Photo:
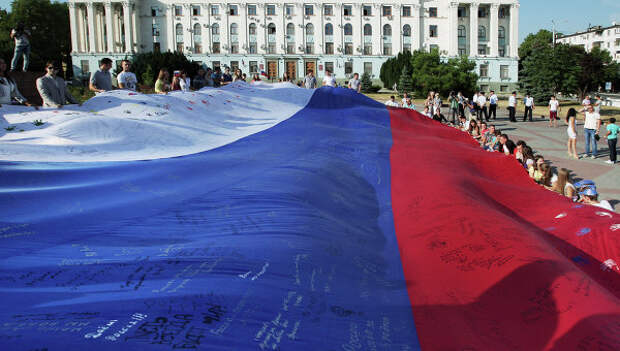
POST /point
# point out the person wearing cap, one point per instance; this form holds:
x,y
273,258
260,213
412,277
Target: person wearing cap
x,y
53,89
590,196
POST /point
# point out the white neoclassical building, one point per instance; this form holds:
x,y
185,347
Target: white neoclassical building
x,y
292,36
607,38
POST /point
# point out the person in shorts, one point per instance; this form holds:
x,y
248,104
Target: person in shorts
x,y
554,108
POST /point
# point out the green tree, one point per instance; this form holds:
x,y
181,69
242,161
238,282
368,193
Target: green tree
x,y
391,70
147,65
405,83
534,42
366,83
49,24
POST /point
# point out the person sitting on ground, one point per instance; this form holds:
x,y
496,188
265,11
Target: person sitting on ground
x,y
484,132
439,117
518,153
126,79
101,80
488,138
535,170
226,77
408,104
590,197
474,130
9,94
463,125
392,102
355,84
507,146
162,85
53,89
563,185
199,81
528,157
547,175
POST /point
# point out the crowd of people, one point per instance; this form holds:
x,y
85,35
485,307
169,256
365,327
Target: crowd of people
x,y
491,139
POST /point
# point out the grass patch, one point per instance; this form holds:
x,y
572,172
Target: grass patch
x,y
38,122
9,128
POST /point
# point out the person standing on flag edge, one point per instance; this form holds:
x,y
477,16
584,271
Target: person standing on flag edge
x,y
329,80
310,80
126,79
355,84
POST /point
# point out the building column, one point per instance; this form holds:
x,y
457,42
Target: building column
x,y
494,30
134,28
453,20
99,29
82,38
170,34
514,30
473,29
417,32
244,42
108,26
74,27
206,31
397,29
127,27
91,27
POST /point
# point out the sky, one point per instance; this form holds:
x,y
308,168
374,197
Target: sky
x,y
570,16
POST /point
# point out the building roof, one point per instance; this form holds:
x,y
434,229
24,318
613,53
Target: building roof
x,y
592,29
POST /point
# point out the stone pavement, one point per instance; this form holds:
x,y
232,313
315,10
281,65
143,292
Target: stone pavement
x,y
551,143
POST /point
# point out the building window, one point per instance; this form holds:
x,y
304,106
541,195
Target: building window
x,y
484,71
215,10
310,48
433,31
234,29
329,29
482,12
484,87
271,48
156,47
387,10
387,49
308,10
504,12
251,10
368,68
348,48
233,10
329,48
253,66
462,35
432,12
347,10
328,10
290,31
407,47
178,10
387,30
195,10
406,30
482,33
482,49
84,66
367,30
434,47
406,11
154,11
503,88
348,29
216,48
253,48
348,67
197,38
271,10
290,48
289,10
367,10
215,29
155,29
234,65
501,36
503,71
216,64
179,37
367,49
234,48
309,29
329,66
271,28
252,29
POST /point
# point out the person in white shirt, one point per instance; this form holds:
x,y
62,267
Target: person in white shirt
x,y
404,99
329,80
355,84
482,107
126,79
474,103
597,104
185,82
591,126
493,105
554,108
392,102
590,197
529,107
586,102
512,107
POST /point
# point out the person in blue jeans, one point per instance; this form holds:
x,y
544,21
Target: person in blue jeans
x,y
612,140
590,127
22,46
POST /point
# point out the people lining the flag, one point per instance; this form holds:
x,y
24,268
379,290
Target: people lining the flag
x,y
101,79
53,89
162,85
9,93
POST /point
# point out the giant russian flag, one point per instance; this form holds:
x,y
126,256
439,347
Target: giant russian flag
x,y
267,217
